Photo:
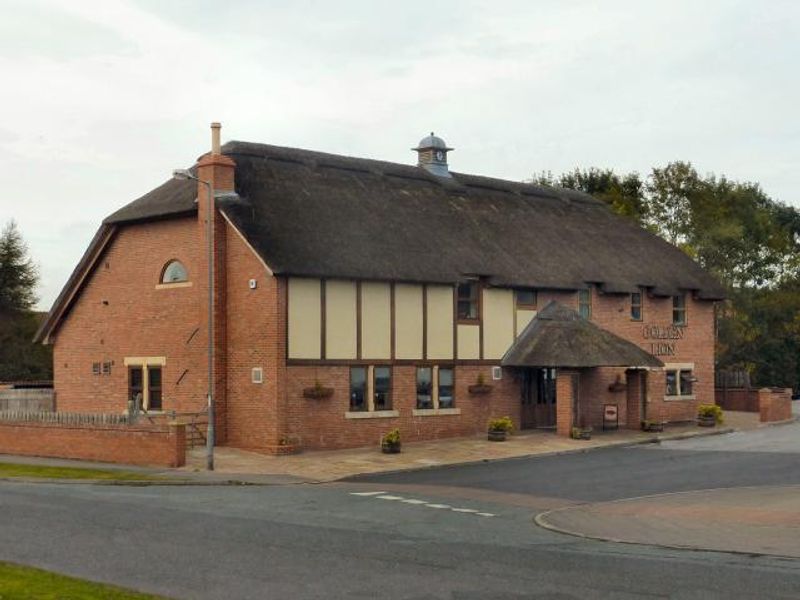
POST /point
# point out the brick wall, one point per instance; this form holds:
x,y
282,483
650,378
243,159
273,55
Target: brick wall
x,y
321,423
775,404
139,445
120,313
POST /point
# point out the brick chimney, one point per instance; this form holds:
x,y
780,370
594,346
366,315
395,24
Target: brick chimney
x,y
219,171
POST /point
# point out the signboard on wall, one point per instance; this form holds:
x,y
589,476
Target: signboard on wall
x,y
610,417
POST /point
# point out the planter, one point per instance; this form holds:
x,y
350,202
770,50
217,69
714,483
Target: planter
x,y
388,448
497,436
707,421
317,393
652,427
581,433
479,389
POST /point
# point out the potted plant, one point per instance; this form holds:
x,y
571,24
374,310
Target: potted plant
x,y
318,391
499,429
708,415
652,426
480,387
390,442
581,433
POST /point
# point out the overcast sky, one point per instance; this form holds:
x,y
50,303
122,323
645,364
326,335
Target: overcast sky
x,y
102,99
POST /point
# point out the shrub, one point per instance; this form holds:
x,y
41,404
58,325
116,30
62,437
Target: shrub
x,y
710,410
501,424
391,438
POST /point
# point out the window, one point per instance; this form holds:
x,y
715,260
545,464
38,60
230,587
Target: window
x,y
445,387
358,389
526,299
153,388
174,272
257,375
679,381
424,387
383,388
136,385
96,368
145,382
636,306
679,310
435,388
468,301
107,368
585,303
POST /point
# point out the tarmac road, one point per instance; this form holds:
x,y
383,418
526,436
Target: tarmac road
x,y
461,533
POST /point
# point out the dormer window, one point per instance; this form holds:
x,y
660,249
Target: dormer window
x,y
174,272
468,307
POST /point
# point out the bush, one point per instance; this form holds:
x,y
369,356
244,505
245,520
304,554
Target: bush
x,y
710,410
391,438
501,424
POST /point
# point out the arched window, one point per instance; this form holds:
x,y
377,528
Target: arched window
x,y
174,272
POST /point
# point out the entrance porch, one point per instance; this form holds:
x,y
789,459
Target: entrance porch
x,y
573,373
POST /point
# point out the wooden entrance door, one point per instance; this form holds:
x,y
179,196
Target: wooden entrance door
x,y
545,408
538,398
529,394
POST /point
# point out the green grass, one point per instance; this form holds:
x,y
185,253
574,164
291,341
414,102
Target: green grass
x,y
46,472
27,583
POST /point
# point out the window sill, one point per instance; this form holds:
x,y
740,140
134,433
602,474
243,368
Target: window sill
x,y
679,398
432,412
468,321
168,286
374,414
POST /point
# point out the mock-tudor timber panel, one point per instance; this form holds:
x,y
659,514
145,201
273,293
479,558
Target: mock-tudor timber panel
x,y
408,321
524,316
340,319
439,300
469,342
376,321
498,322
305,318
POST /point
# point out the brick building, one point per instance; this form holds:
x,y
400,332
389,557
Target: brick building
x,y
353,296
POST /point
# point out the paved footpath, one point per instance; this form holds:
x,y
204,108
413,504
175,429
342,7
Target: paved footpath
x,y
754,520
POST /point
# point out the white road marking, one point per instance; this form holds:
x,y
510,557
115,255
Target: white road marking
x,y
384,496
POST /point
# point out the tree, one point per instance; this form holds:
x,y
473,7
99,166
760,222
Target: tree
x,y
625,194
18,273
20,358
736,231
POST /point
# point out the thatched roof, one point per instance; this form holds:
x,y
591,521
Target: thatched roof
x,y
559,337
315,214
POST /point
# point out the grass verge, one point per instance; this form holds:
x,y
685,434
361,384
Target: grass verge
x,y
18,583
47,472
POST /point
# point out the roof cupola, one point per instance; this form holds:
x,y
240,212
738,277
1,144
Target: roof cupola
x,y
432,152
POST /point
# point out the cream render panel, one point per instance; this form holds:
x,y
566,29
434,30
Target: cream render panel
x,y
469,342
340,319
408,321
305,318
498,322
440,321
524,316
376,320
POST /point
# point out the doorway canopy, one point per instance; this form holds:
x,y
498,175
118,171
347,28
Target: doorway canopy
x,y
559,337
